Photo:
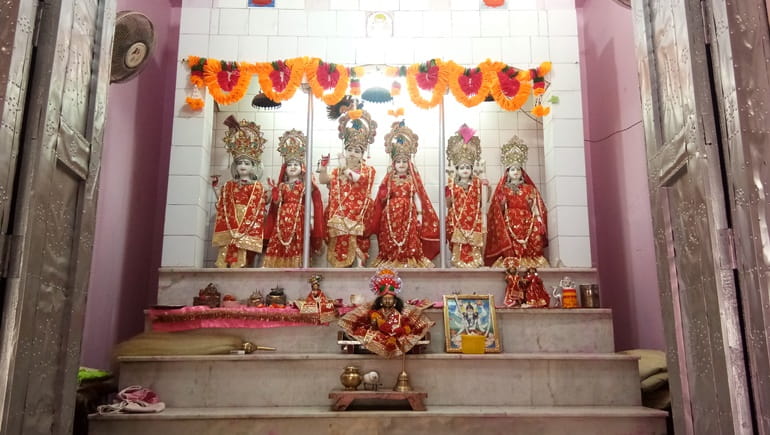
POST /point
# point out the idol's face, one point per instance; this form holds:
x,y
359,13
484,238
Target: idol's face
x,y
354,152
464,171
293,168
244,167
401,165
514,173
388,301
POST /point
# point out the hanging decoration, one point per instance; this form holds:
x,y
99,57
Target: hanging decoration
x,y
427,83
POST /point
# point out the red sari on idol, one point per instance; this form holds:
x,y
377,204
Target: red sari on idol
x,y
386,332
402,241
517,226
238,229
286,225
464,224
349,208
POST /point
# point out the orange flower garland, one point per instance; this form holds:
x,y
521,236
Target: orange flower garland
x,y
194,103
318,90
438,90
210,78
297,66
502,100
454,71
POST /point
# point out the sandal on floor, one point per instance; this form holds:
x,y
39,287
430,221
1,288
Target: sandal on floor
x,y
134,399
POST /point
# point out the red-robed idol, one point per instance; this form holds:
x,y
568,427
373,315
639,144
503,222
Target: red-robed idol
x,y
238,228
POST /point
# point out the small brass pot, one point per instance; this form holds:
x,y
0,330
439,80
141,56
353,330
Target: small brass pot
x,y
350,378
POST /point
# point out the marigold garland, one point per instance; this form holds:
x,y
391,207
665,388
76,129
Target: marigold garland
x,y
211,80
433,76
297,66
311,72
438,89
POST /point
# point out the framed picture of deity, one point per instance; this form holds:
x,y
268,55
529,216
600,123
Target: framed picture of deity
x,y
470,324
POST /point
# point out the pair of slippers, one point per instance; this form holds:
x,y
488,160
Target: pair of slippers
x,y
134,399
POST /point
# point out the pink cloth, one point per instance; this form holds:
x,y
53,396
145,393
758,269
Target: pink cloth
x,y
197,317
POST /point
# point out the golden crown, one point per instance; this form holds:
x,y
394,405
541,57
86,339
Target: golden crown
x,y
292,146
244,139
400,141
463,148
514,153
357,128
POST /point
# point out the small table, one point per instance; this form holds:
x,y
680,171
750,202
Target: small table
x,y
343,398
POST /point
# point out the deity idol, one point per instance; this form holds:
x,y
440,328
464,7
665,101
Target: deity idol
x,y
517,215
466,196
238,229
350,206
404,219
316,302
387,326
286,221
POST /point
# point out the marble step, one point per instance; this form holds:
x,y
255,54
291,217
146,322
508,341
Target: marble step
x,y
278,379
449,420
178,286
521,330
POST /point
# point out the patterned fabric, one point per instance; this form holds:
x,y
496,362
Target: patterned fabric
x,y
238,228
388,333
465,226
517,225
349,209
402,241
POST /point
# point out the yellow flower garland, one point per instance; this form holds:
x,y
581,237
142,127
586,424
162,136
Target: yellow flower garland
x,y
438,90
297,66
318,90
210,72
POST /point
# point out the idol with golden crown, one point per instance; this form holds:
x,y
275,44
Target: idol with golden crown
x,y
466,194
240,209
285,226
349,207
388,326
517,217
404,219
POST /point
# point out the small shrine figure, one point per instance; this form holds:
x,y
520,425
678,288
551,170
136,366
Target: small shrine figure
x,y
535,295
208,296
514,293
285,226
466,196
316,302
350,184
517,215
240,210
404,220
387,326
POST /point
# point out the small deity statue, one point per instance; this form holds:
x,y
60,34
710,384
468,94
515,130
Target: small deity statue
x,y
517,215
350,184
535,295
276,298
404,220
466,196
238,229
285,226
387,326
316,302
514,294
256,299
209,296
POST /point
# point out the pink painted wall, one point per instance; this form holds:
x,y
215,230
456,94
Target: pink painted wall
x,y
619,207
132,197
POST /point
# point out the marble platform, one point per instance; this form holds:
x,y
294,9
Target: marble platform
x,y
581,330
449,420
179,285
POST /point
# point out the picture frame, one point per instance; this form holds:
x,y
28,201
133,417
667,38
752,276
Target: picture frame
x,y
470,315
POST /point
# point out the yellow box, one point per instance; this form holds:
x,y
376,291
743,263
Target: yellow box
x,y
473,343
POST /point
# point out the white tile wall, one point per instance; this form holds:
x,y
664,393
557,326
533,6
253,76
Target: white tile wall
x,y
524,34
184,220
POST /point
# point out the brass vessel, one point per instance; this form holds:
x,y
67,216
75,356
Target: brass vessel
x,y
402,384
350,378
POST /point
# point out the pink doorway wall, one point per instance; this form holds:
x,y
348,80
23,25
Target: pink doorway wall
x,y
616,166
132,196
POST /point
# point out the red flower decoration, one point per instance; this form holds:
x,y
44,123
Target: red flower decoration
x,y
228,79
327,75
509,84
280,75
470,81
427,80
